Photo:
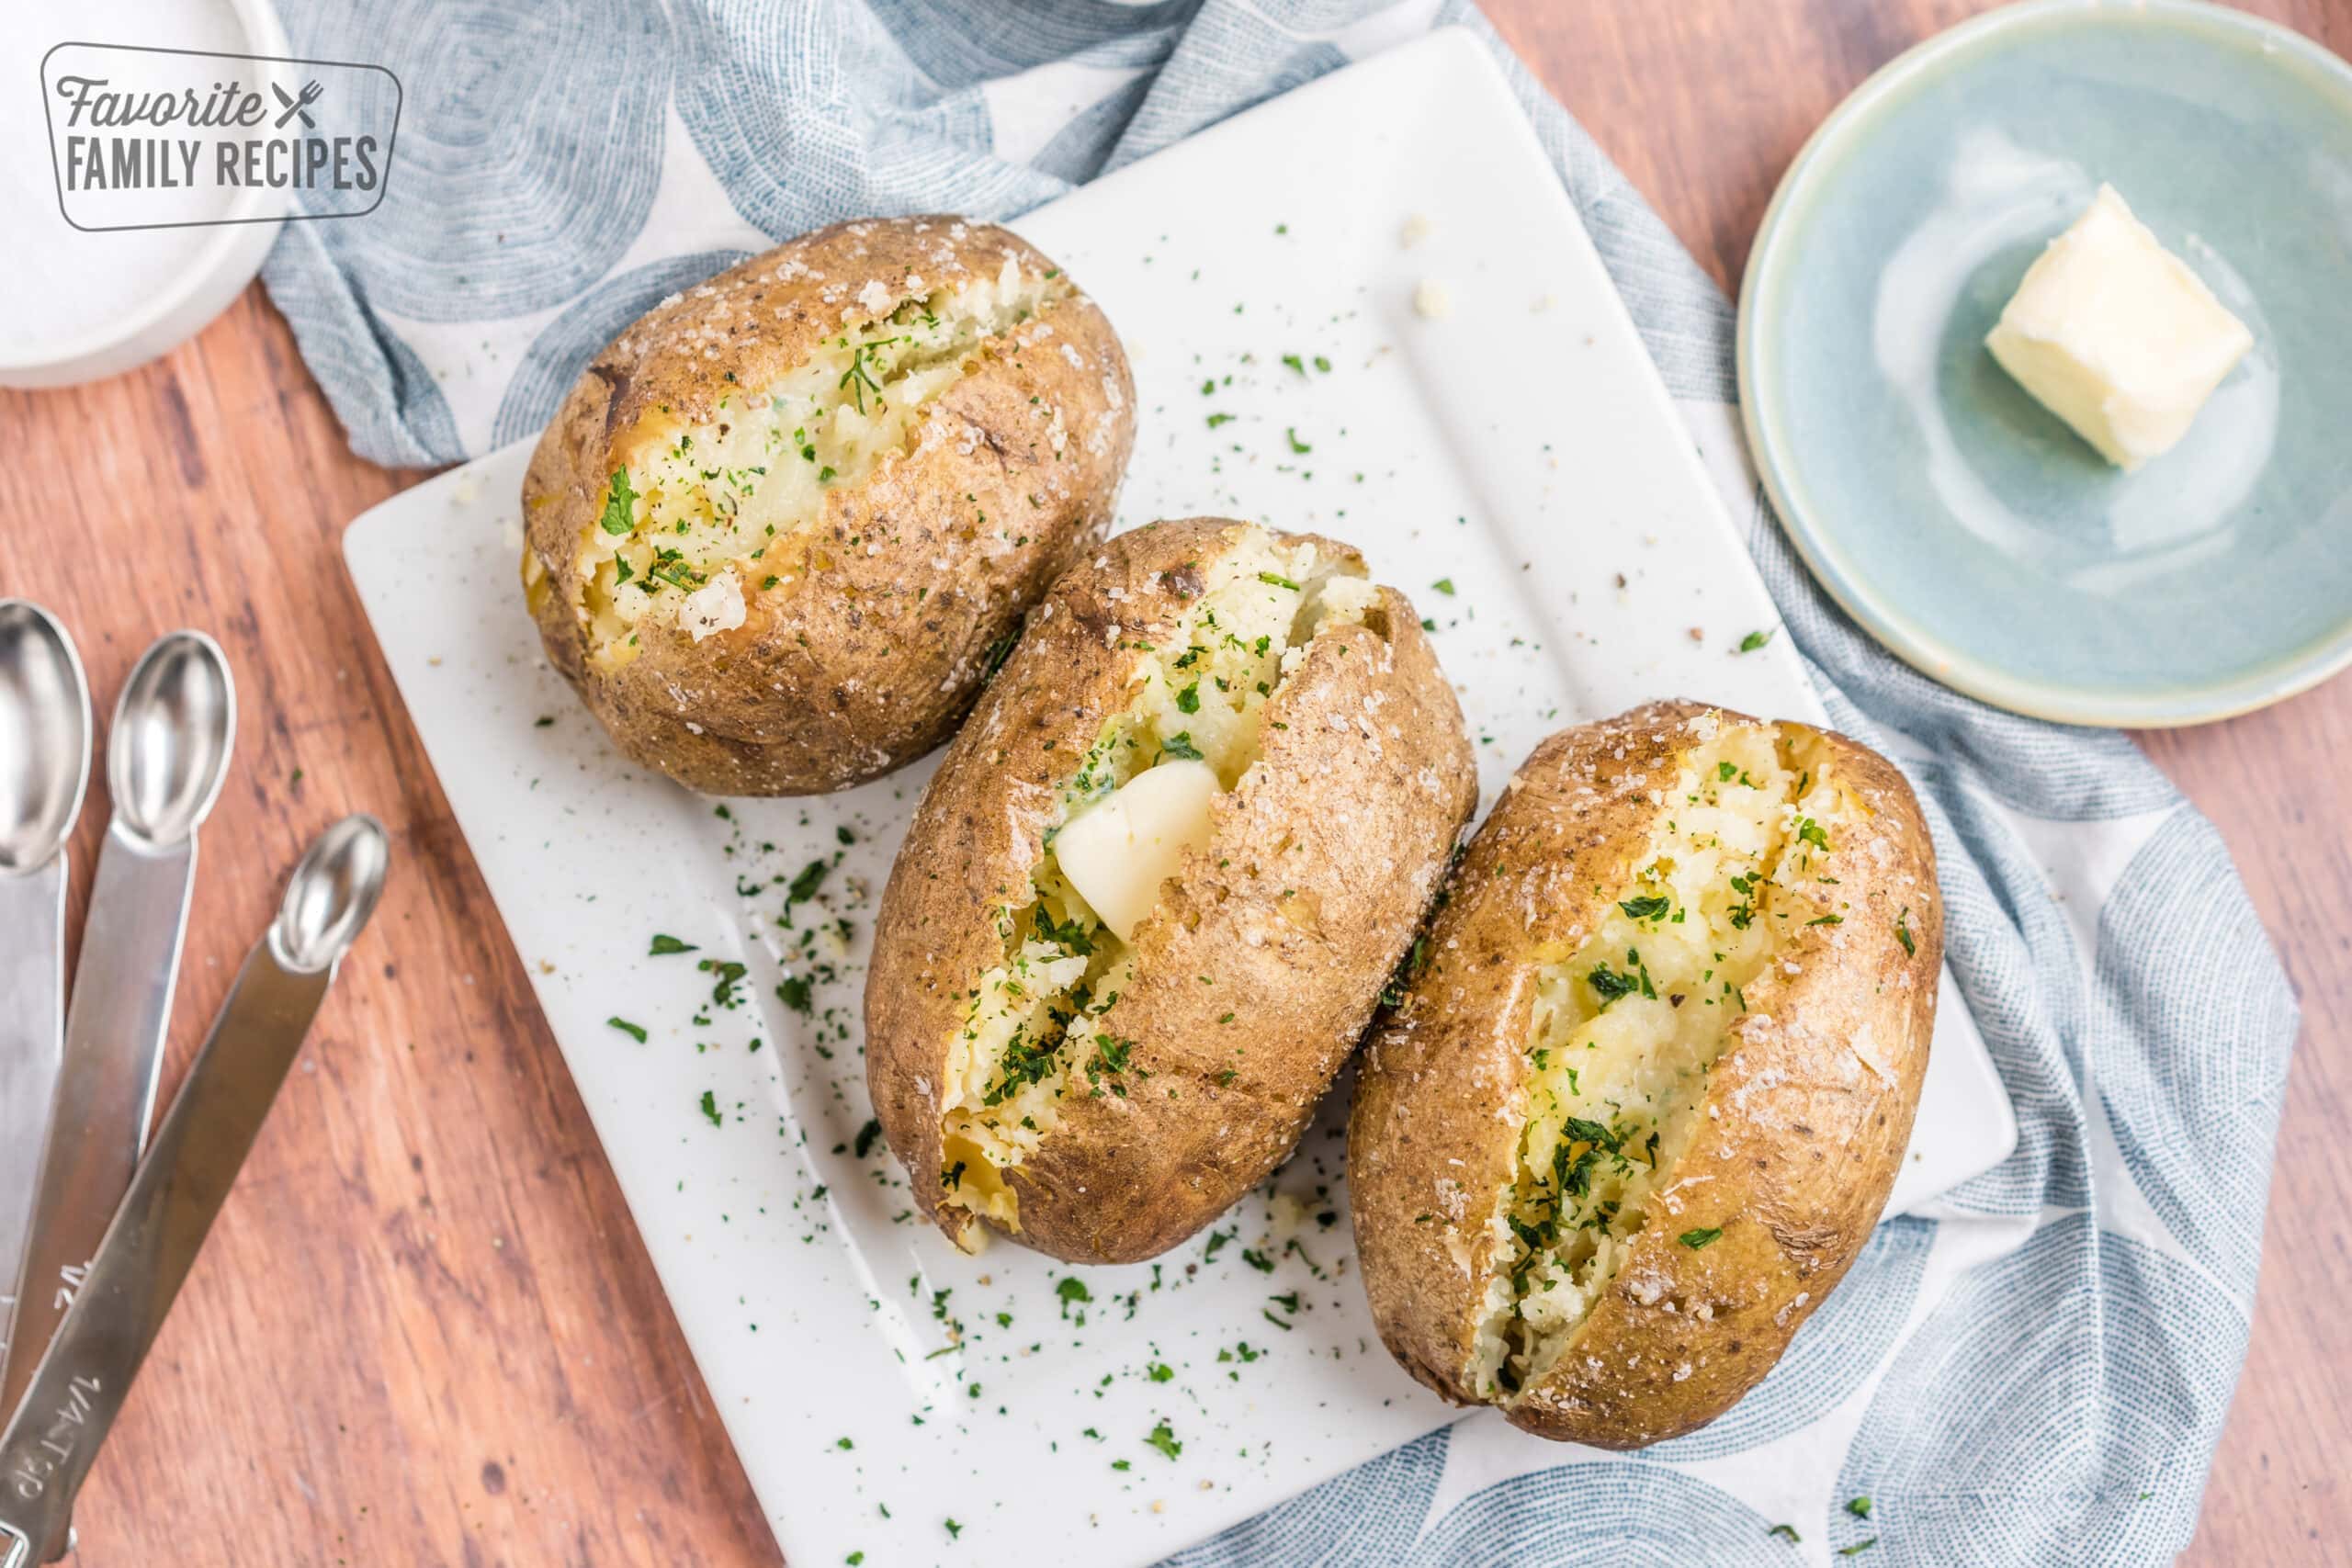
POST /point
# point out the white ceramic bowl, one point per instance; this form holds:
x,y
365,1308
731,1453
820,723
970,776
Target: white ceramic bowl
x,y
219,259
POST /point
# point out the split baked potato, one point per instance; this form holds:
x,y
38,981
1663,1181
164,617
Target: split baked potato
x,y
1642,1102
782,526
1149,901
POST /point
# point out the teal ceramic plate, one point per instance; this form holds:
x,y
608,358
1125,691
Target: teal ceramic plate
x,y
1947,512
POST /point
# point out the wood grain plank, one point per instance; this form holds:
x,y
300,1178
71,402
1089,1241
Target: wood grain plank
x,y
425,1330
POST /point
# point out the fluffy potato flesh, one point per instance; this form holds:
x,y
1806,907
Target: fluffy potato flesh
x,y
1627,1027
1199,699
693,517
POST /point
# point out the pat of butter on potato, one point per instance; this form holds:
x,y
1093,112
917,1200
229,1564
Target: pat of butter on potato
x,y
2114,334
1117,852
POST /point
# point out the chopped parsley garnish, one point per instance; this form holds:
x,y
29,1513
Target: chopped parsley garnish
x,y
668,944
1163,1438
1695,1239
1445,585
1296,444
1609,985
1809,831
1858,1548
1278,581
1027,1059
634,1031
618,517
710,1108
804,885
1903,932
1858,1506
1754,641
858,379
729,973
1572,1175
1585,1131
1789,1531
1189,699
865,1136
1651,907
1109,1058
1181,745
1072,936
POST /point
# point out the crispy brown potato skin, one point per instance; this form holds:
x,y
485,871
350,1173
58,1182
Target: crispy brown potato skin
x,y
1320,864
849,668
1802,1138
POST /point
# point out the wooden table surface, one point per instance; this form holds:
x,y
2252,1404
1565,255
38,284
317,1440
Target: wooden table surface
x,y
425,1330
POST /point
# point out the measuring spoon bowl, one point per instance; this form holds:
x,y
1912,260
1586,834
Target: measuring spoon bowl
x,y
331,895
173,731
45,732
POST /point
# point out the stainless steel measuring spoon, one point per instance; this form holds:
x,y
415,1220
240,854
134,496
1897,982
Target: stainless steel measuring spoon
x,y
48,1445
44,769
165,758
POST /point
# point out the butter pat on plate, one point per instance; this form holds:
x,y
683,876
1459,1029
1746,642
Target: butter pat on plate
x,y
2114,334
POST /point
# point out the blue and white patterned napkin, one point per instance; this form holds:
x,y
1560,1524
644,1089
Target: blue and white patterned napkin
x,y
2036,1374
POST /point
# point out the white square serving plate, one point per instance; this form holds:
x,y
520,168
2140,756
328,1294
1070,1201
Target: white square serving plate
x,y
1505,453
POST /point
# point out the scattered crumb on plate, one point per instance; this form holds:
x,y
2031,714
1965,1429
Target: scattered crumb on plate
x,y
1431,302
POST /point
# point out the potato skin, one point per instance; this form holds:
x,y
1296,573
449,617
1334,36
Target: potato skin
x,y
1802,1135
1297,912
849,668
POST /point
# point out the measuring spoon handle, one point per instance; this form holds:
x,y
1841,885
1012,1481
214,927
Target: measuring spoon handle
x,y
106,1079
32,1028
52,1439
79,1386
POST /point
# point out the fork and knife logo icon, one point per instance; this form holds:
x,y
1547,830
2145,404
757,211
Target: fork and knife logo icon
x,y
311,91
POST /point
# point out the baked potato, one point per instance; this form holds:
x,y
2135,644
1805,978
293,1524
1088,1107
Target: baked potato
x,y
782,525
1640,1106
1149,901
